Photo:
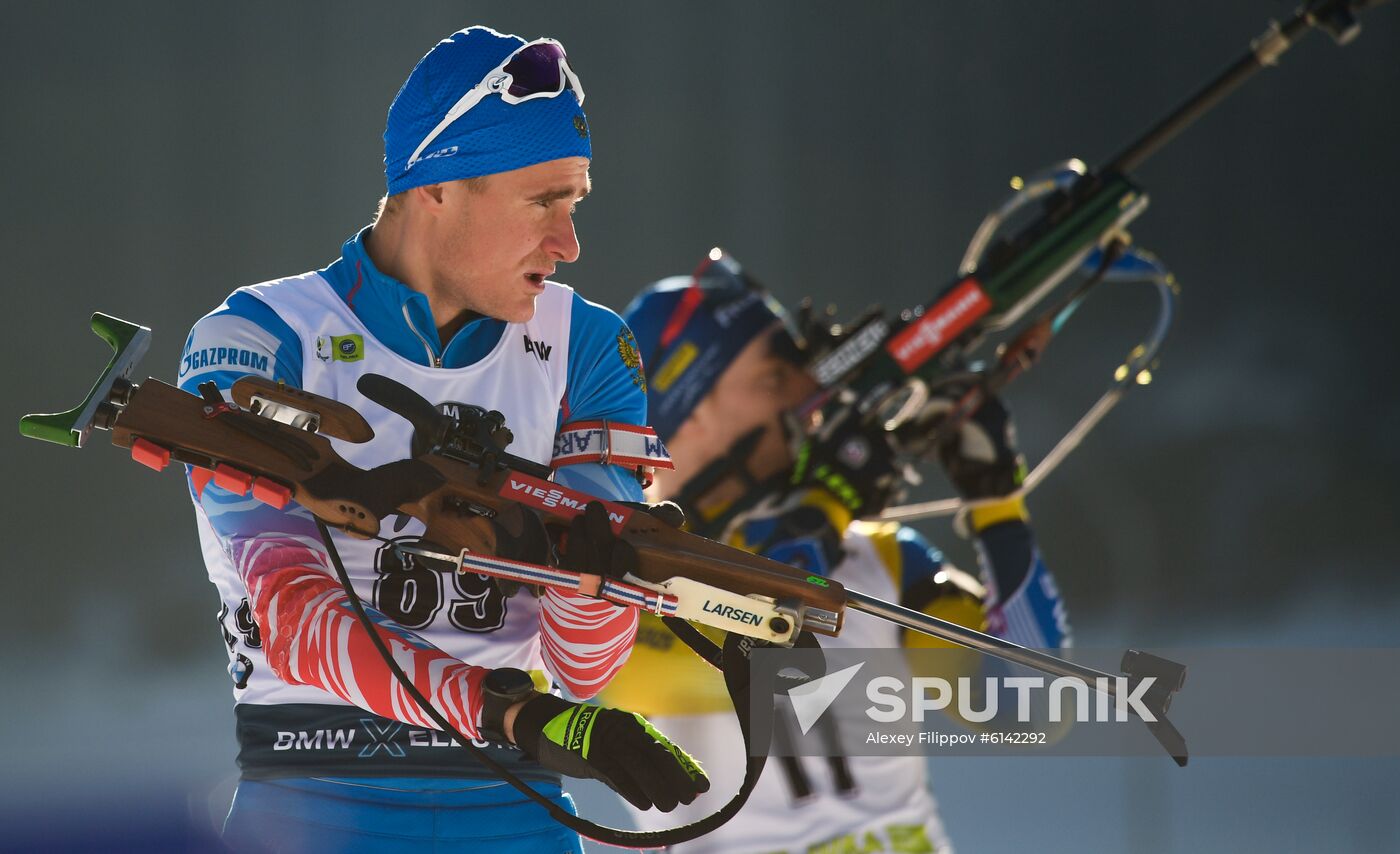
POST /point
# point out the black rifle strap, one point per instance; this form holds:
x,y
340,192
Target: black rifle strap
x,y
733,661
698,643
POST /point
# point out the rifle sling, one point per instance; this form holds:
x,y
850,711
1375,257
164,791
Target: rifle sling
x,y
733,661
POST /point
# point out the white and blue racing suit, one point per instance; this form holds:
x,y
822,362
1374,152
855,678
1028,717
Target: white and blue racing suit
x,y
334,754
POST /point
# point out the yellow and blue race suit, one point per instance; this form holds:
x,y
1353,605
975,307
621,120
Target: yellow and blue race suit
x,y
851,803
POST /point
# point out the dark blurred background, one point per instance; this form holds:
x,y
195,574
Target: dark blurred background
x,y
160,154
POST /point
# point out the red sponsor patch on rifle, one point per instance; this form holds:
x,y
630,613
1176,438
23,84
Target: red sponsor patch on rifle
x,y
947,319
558,500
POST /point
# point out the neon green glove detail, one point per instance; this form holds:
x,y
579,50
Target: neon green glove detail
x,y
622,749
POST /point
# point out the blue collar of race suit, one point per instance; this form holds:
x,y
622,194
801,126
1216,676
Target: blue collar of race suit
x,y
399,316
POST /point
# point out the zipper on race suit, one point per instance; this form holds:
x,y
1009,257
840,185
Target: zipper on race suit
x,y
434,359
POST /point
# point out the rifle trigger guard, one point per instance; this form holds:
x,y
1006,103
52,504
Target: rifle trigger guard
x,y
214,403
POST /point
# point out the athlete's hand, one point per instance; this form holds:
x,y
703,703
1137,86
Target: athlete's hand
x,y
981,459
855,465
520,535
619,748
592,548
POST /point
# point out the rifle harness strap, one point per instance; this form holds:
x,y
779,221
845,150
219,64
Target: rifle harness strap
x,y
733,661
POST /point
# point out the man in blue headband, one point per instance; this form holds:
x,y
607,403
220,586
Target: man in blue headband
x,y
486,153
725,368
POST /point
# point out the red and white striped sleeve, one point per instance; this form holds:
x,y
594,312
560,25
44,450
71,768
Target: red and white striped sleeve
x,y
311,636
584,641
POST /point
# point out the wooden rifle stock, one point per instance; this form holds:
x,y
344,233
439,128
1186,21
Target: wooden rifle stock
x,y
453,498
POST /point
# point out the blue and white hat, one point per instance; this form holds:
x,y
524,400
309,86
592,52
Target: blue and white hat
x,y
690,328
493,136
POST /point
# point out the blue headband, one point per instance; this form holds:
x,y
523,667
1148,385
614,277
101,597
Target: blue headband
x,y
689,329
493,136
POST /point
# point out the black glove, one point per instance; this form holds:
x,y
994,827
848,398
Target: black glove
x,y
520,535
593,548
619,748
981,459
855,464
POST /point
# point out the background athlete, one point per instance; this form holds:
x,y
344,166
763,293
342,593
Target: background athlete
x,y
725,366
486,153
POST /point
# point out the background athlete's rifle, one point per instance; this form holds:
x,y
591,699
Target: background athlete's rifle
x,y
884,372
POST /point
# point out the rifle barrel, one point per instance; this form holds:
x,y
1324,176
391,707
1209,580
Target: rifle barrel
x,y
1263,51
973,639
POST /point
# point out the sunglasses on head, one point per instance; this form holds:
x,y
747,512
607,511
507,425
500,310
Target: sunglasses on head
x,y
539,69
